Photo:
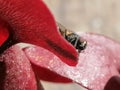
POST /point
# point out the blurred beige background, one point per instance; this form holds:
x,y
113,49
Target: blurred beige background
x,y
99,16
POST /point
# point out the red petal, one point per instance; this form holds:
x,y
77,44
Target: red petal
x,y
97,64
32,22
3,32
15,71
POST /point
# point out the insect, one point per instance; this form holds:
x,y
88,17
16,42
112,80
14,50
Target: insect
x,y
72,38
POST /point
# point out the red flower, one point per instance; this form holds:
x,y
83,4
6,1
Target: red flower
x,y
97,68
29,22
53,59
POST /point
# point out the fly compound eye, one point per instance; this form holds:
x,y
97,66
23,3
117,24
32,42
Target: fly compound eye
x,y
72,38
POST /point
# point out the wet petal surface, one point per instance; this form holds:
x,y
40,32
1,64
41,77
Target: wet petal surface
x,y
15,71
97,63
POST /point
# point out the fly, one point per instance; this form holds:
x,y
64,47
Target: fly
x,y
72,38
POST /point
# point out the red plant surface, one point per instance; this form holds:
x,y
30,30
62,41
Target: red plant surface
x,y
32,22
97,64
3,32
16,72
53,58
